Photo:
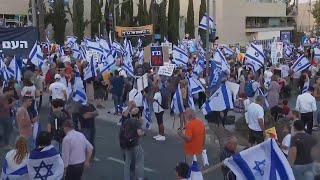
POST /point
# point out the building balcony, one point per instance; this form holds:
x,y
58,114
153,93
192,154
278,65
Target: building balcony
x,y
259,24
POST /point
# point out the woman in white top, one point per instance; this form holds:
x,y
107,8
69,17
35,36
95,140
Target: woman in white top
x,y
158,111
15,162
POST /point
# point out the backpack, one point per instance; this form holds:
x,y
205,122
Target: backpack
x,y
58,134
249,90
128,136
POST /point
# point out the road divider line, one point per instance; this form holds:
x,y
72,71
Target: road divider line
x,y
122,162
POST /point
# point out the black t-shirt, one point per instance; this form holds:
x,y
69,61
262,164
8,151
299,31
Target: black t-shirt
x,y
304,143
135,125
117,85
86,123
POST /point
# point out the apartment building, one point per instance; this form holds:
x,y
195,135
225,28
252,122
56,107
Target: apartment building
x,y
14,12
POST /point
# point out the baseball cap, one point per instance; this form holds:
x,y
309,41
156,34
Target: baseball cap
x,y
57,76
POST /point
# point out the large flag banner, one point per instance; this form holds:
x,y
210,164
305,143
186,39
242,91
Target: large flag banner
x,y
268,163
203,23
45,164
180,57
255,57
134,31
216,74
221,61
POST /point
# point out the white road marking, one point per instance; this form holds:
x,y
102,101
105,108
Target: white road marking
x,y
122,162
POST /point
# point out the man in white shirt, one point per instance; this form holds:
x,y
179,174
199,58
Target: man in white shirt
x,y
285,72
306,105
136,96
256,121
57,89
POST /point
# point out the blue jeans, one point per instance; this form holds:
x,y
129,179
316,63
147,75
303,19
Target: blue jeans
x,y
31,143
303,172
117,102
136,154
90,134
318,112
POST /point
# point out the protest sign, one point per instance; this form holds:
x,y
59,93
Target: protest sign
x,y
166,70
142,82
169,45
156,56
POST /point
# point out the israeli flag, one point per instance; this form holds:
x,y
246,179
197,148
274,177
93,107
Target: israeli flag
x,y
259,92
200,43
255,57
15,171
77,54
195,173
4,71
106,64
127,66
180,57
300,64
139,44
128,46
93,46
228,51
219,101
45,164
117,47
288,50
203,23
79,93
48,44
36,55
177,102
14,70
300,48
195,85
105,45
91,70
166,40
221,61
60,50
141,57
71,40
198,68
216,75
306,86
147,114
83,52
268,163
316,52
190,100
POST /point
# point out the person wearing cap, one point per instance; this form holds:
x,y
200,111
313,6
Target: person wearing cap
x,y
182,171
76,152
57,89
256,121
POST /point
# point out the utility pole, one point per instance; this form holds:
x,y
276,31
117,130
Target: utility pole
x,y
34,13
41,21
207,40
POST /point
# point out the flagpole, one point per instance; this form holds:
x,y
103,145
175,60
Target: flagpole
x,y
207,41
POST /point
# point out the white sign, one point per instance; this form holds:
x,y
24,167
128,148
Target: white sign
x,y
279,49
14,44
94,54
169,46
142,82
166,70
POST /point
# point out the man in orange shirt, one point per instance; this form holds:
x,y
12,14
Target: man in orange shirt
x,y
194,137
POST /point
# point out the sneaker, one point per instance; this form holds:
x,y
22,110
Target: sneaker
x,y
96,159
119,123
155,137
161,138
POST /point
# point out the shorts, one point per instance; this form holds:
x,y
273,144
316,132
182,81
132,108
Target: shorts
x,y
159,117
255,137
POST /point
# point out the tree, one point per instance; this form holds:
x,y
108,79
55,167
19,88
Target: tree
x,y
202,11
106,16
316,12
189,26
78,19
162,19
146,14
140,15
127,13
173,21
59,21
96,17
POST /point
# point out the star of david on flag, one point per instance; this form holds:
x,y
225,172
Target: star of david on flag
x,y
268,163
300,64
255,57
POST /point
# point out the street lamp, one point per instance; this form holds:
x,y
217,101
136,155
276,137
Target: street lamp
x,y
115,16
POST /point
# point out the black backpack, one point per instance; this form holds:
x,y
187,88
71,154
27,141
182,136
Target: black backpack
x,y
128,136
58,134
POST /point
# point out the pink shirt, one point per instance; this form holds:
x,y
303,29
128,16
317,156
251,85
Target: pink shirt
x,y
74,148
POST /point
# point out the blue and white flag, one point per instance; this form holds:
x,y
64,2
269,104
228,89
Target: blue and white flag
x,y
147,114
300,64
91,70
106,64
83,52
177,102
105,45
60,50
48,44
128,46
228,51
288,50
165,40
93,46
219,101
221,61
306,86
117,48
268,163
259,92
317,52
71,40
300,48
36,55
76,52
139,44
215,77
14,171
14,69
180,57
195,172
194,85
79,93
45,164
127,66
203,23
4,71
190,100
141,57
255,57
198,68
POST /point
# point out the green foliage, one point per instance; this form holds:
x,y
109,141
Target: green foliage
x,y
96,17
146,15
202,11
189,25
316,12
59,21
162,19
106,16
173,21
78,19
127,13
140,16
